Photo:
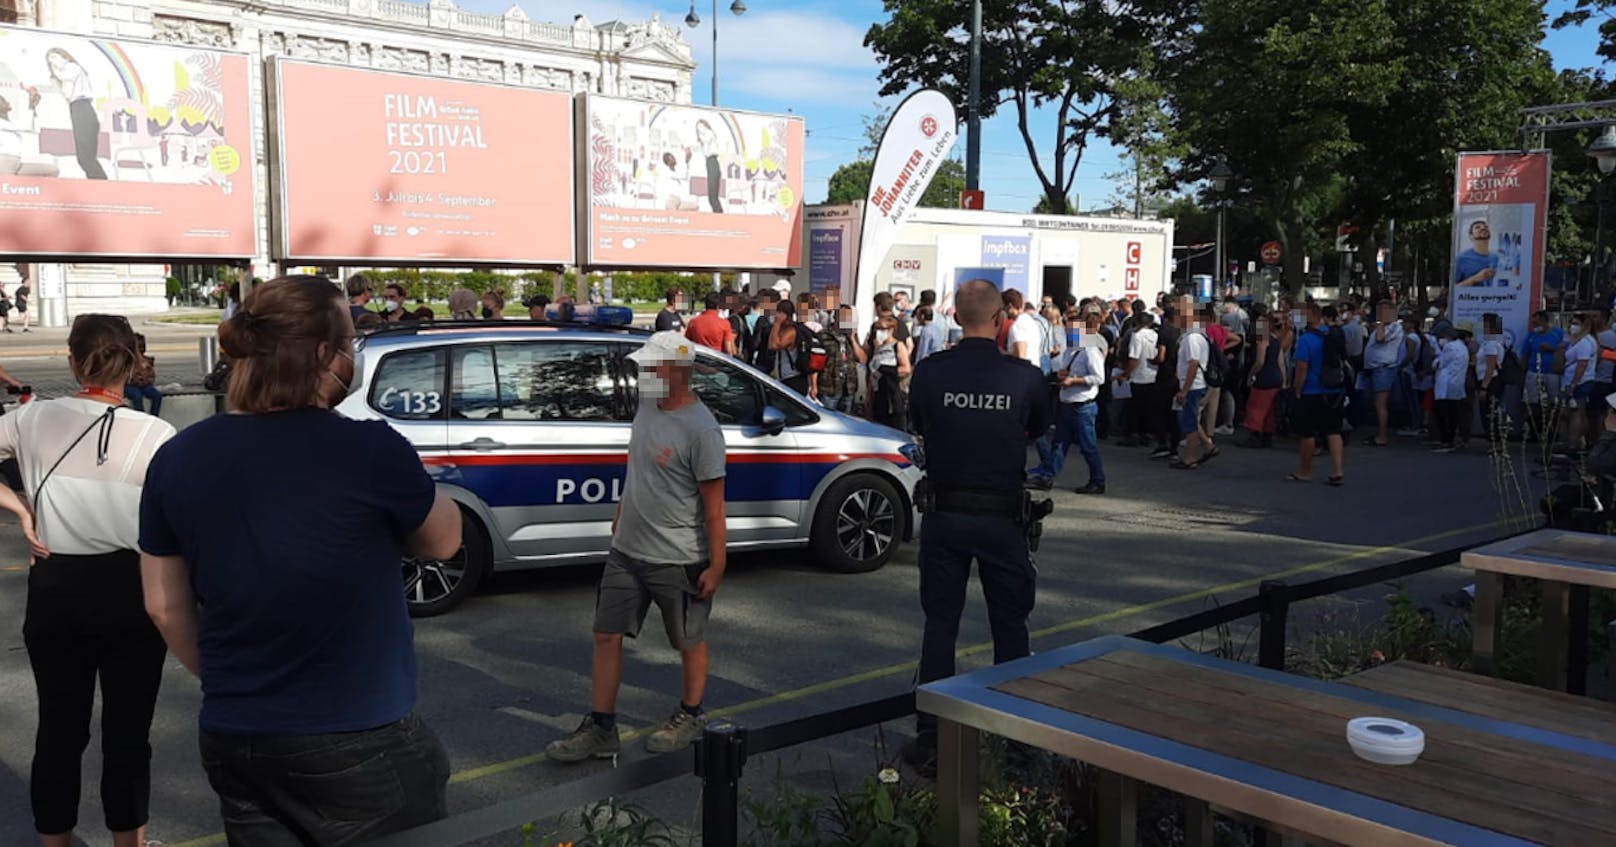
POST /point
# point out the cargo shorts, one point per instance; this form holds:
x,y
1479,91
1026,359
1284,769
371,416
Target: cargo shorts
x,y
629,586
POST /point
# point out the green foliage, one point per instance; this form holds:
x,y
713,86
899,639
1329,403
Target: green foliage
x,y
1587,10
631,286
1036,54
851,184
173,286
1341,645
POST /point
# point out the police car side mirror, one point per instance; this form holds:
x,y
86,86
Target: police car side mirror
x,y
774,420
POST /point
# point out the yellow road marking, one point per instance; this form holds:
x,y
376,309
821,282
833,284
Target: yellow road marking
x,y
495,768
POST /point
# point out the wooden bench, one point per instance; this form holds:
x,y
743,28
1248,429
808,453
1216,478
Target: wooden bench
x,y
1272,747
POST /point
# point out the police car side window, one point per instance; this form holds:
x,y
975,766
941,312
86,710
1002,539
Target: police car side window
x,y
473,385
556,381
796,414
409,385
729,393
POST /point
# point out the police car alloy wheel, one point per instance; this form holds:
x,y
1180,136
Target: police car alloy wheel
x,y
432,587
859,523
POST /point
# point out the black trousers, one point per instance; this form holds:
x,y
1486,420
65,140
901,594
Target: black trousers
x,y
86,137
1447,414
326,790
948,544
886,398
86,621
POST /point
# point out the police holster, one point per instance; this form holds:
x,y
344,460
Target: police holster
x,y
1018,507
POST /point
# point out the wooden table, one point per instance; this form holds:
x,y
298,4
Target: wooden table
x,y
1560,559
1498,769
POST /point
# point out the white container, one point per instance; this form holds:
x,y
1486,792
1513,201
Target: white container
x,y
1385,741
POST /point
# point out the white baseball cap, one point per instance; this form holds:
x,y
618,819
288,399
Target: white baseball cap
x,y
665,346
782,286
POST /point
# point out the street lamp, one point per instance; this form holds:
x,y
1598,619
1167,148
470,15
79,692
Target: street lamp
x,y
1220,176
693,20
1602,151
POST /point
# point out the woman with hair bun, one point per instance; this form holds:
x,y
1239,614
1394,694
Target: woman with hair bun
x,y
83,459
463,304
286,602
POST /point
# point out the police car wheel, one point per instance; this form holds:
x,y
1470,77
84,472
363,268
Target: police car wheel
x,y
432,587
859,524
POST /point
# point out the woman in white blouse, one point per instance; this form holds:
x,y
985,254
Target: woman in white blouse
x,y
83,461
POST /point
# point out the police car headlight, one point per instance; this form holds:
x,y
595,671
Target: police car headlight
x,y
914,454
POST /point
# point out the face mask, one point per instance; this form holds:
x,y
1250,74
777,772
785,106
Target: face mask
x,y
1298,320
487,313
351,385
653,386
1433,311
1576,329
723,313
846,325
394,305
1074,337
880,336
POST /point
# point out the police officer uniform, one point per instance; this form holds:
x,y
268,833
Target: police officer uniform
x,y
976,409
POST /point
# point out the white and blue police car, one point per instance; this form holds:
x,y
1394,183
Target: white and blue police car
x,y
526,426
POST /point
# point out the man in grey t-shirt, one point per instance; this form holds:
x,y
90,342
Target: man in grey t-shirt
x,y
667,548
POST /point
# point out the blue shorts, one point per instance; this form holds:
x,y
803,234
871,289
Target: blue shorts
x,y
1382,380
1189,417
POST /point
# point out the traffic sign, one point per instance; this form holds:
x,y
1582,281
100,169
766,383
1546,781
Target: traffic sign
x,y
1271,253
972,199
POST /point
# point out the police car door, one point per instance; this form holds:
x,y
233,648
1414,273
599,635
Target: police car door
x,y
763,480
539,436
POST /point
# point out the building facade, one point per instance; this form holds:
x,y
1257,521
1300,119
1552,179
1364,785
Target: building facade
x,y
648,60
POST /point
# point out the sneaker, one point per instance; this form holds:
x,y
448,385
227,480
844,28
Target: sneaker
x,y
1408,433
1162,453
921,756
1223,430
1091,488
679,731
1444,448
1039,483
589,740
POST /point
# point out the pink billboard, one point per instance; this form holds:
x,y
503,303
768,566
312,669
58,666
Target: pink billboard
x,y
690,187
373,166
123,149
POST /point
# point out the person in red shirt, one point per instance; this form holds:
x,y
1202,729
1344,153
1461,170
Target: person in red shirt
x,y
711,329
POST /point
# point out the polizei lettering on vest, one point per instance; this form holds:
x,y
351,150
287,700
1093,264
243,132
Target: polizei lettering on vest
x,y
988,402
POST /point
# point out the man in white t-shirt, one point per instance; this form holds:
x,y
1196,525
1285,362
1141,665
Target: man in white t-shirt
x,y
1026,341
1194,348
1139,374
1581,375
1383,353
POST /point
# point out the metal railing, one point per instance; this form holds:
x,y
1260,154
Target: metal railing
x,y
721,755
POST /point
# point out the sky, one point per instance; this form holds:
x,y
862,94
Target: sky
x,y
807,57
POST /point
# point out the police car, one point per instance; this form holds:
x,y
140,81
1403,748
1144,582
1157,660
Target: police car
x,y
526,426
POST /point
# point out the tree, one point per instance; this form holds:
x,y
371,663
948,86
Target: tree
x,y
1464,70
1269,86
851,184
1036,54
1587,10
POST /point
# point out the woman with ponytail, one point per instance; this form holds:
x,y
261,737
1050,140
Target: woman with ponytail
x,y
83,459
277,583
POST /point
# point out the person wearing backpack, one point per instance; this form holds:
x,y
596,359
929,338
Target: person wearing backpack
x,y
799,355
844,358
1320,385
1417,367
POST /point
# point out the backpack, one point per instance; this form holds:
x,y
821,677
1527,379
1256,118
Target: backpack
x,y
1217,365
839,363
1510,371
1335,372
810,355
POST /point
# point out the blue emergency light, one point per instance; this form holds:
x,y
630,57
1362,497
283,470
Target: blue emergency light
x,y
589,314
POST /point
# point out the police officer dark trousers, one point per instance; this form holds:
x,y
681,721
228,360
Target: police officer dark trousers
x,y
975,410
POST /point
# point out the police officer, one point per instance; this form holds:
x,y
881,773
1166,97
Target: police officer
x,y
976,409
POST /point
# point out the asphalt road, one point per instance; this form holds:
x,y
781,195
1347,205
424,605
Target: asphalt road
x,y
508,672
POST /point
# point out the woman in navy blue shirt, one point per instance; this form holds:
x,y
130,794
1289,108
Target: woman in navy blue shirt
x,y
277,583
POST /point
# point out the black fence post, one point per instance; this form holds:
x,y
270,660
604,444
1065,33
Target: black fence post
x,y
1577,646
1271,623
720,755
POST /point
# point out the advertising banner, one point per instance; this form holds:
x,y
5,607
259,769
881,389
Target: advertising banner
x,y
123,149
690,187
921,132
827,251
373,166
1499,217
1013,253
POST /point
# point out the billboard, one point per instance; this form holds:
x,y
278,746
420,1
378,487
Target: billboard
x,y
689,187
375,166
1499,215
123,149
1013,253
